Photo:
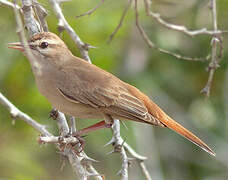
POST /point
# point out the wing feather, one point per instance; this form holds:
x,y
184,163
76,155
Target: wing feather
x,y
107,93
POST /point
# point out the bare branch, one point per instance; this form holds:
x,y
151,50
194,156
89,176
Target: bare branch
x,y
48,137
179,28
152,45
91,10
30,21
121,20
216,43
81,46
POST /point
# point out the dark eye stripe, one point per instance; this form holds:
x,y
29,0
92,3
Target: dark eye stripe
x,y
32,47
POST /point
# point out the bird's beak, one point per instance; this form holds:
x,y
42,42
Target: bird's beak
x,y
16,45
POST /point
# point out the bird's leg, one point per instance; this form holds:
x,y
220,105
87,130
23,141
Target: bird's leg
x,y
97,126
107,123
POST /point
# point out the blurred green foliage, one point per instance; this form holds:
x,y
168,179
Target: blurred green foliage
x,y
174,84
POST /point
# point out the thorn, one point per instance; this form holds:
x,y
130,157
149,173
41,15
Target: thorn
x,y
110,152
119,173
110,142
40,142
89,159
13,122
205,90
87,46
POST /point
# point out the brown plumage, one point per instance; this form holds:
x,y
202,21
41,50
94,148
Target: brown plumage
x,y
84,90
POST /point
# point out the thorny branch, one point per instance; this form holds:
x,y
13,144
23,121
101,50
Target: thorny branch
x,y
118,147
122,147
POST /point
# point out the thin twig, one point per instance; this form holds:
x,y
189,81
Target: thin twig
x,y
145,171
91,10
121,21
215,54
152,45
179,28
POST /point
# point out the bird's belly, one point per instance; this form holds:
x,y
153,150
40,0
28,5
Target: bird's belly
x,y
79,111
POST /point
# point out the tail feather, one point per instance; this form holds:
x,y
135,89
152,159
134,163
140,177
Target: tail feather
x,y
171,124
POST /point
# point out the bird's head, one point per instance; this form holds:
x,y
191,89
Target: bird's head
x,y
45,44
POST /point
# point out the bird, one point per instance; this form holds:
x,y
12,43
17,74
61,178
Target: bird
x,y
81,89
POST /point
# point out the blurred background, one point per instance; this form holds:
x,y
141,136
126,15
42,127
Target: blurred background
x,y
172,83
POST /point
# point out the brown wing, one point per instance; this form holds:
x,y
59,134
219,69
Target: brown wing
x,y
104,92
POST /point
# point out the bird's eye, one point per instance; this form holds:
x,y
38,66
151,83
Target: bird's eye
x,y
44,45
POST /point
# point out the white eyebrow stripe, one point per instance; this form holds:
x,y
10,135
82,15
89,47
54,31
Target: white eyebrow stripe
x,y
51,41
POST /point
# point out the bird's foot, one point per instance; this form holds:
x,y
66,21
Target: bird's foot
x,y
97,126
78,147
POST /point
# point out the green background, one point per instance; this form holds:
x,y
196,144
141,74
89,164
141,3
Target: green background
x,y
172,83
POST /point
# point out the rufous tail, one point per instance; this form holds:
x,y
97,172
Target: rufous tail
x,y
160,115
171,124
